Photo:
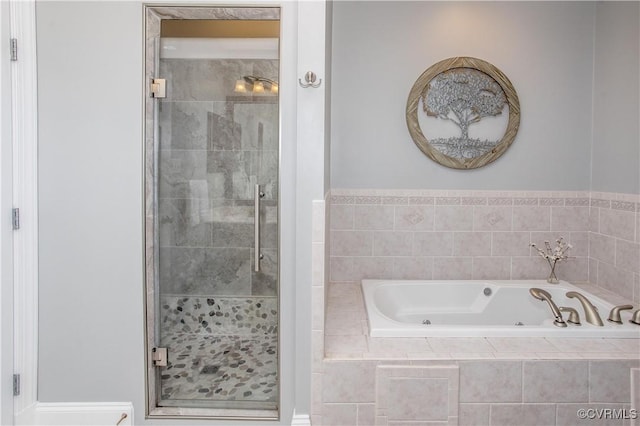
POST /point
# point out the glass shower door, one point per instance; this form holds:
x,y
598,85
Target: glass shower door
x,y
214,224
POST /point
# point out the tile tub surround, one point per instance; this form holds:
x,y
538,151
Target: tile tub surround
x,y
614,244
415,234
345,359
346,337
538,381
478,392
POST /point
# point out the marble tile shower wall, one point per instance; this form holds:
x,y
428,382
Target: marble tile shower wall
x,y
483,235
214,146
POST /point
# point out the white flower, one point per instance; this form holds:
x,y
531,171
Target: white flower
x,y
558,253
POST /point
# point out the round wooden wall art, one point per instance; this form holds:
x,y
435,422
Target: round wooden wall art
x,y
463,113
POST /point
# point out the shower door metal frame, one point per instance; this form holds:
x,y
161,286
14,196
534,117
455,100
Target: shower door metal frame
x,y
152,16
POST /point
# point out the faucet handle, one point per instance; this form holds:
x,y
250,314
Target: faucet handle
x,y
635,318
614,315
574,317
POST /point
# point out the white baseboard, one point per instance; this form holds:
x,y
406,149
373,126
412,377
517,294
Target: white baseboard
x,y
79,413
300,419
95,414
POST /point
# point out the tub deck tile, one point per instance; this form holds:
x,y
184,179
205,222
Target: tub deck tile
x,y
521,344
460,344
582,345
346,344
428,356
347,337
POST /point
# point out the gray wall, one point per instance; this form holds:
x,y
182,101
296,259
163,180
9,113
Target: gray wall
x,y
90,183
380,49
91,331
616,94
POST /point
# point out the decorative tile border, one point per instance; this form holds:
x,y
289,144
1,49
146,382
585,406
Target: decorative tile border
x,y
395,200
474,201
448,201
465,198
372,199
525,201
427,201
576,202
623,205
500,201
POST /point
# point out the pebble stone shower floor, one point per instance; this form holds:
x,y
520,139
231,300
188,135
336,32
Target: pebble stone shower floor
x,y
204,366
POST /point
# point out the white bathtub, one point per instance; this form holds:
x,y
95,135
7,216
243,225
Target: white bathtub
x,y
462,309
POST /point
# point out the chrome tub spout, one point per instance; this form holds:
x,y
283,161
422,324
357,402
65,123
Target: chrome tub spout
x,y
544,295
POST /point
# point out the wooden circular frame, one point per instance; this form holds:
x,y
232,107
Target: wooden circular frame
x,y
414,101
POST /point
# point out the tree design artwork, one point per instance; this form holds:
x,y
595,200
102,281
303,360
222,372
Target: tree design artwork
x,y
463,96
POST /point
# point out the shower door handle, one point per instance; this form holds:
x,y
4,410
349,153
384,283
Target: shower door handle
x,y
256,218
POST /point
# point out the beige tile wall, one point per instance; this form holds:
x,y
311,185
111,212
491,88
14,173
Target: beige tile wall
x,y
635,395
614,244
425,394
468,234
483,235
319,252
478,392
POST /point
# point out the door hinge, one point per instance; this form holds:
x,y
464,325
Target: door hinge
x,y
158,88
16,385
159,356
15,218
14,49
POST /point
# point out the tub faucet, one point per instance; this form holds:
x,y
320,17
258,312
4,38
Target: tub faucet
x,y
574,318
614,315
541,294
590,311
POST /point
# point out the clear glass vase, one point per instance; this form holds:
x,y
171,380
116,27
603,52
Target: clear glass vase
x,y
553,279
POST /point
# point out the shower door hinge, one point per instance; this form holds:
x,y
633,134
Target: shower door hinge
x,y
158,88
159,356
14,49
15,219
16,385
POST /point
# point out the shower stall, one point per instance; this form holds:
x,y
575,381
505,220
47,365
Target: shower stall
x,y
211,211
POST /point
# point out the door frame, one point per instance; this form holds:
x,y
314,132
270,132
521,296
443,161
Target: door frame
x,y
152,410
6,237
20,190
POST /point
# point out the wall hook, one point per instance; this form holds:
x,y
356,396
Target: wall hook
x,y
310,79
